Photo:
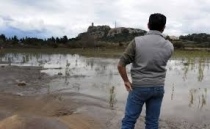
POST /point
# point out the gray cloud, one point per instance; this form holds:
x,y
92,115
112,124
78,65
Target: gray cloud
x,y
61,17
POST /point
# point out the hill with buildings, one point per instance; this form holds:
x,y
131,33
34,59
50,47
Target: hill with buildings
x,y
106,33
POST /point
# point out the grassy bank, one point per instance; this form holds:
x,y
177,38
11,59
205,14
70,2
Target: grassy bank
x,y
191,53
111,53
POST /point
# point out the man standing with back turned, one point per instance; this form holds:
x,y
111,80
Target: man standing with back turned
x,y
149,55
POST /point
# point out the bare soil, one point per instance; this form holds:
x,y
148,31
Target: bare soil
x,y
22,107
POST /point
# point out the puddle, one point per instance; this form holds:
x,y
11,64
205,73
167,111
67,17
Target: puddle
x,y
186,88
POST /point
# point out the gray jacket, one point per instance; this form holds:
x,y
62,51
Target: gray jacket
x,y
149,55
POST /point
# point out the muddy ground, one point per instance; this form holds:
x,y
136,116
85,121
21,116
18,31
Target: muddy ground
x,y
30,106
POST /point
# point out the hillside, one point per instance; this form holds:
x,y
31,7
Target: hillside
x,y
106,33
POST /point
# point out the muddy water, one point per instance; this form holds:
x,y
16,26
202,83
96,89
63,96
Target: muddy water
x,y
186,89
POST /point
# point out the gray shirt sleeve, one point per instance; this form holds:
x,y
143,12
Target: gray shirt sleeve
x,y
129,54
171,48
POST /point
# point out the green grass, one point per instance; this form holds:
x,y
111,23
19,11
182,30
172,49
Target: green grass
x,y
191,54
109,53
102,52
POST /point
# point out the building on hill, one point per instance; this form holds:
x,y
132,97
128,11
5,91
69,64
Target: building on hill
x,y
106,33
98,32
121,30
174,37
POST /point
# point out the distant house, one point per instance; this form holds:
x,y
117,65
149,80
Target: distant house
x,y
174,37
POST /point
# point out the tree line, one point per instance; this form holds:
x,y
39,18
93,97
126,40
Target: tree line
x,y
195,40
85,40
34,42
198,38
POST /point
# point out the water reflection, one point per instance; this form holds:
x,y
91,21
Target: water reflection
x,y
172,93
201,67
193,64
198,98
112,97
186,82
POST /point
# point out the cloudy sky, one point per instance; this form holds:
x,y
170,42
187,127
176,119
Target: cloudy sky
x,y
46,18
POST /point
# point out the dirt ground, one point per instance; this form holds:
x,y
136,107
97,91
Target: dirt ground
x,y
24,107
27,107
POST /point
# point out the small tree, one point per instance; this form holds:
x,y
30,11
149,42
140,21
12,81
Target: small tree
x,y
64,40
178,45
3,37
15,40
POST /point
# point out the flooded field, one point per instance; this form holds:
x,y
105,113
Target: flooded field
x,y
187,91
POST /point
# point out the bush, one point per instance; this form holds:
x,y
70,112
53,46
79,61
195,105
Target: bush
x,y
178,45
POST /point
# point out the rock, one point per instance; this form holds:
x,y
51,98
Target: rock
x,y
60,73
98,32
19,94
126,31
20,83
104,32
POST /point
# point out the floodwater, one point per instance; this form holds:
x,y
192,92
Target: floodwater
x,y
187,91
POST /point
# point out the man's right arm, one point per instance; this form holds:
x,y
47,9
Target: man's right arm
x,y
129,54
127,57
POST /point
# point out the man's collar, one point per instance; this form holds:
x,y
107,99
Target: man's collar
x,y
154,32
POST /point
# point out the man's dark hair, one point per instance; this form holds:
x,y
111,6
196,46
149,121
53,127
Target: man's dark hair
x,y
157,21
